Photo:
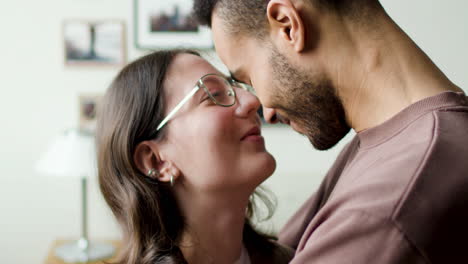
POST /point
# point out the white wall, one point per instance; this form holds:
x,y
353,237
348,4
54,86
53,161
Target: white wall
x,y
38,100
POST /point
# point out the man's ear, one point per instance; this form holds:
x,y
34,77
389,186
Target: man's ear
x,y
286,25
151,162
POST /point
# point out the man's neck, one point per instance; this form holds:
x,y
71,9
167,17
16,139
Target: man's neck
x,y
389,73
214,229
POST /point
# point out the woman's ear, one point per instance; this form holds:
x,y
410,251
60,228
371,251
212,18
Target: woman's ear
x,y
146,157
151,162
286,24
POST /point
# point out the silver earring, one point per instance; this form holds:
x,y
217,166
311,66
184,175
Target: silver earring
x,y
152,172
172,180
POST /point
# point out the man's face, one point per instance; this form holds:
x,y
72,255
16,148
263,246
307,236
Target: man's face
x,y
305,99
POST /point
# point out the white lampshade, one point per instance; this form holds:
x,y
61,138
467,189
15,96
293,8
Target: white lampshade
x,y
72,154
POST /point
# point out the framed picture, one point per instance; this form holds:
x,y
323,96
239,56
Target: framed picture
x,y
168,24
88,104
94,42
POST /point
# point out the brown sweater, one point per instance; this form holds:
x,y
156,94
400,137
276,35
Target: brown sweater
x,y
398,193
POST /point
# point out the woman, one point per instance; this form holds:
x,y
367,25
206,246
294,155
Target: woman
x,y
179,154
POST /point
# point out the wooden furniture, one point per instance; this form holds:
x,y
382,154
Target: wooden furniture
x,y
52,259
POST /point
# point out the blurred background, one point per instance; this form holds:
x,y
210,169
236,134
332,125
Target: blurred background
x,y
58,56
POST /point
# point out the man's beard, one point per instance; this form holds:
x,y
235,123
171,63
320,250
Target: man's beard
x,y
310,102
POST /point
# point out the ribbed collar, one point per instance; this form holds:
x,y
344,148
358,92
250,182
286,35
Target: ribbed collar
x,y
375,136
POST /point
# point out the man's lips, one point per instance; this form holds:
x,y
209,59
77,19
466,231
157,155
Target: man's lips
x,y
253,132
282,119
296,128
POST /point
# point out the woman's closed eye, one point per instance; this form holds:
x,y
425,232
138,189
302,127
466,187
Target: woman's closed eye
x,y
205,98
216,93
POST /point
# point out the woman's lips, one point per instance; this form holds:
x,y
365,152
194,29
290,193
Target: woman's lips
x,y
253,138
253,134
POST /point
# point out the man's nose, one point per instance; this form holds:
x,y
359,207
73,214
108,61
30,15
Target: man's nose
x,y
270,115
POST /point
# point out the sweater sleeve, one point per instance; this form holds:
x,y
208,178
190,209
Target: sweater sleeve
x,y
355,237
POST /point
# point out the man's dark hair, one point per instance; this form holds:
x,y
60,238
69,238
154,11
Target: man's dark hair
x,y
239,15
248,16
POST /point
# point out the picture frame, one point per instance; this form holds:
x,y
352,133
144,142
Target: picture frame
x,y
94,43
168,24
88,109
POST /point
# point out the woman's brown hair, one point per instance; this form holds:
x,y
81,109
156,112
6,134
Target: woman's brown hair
x,y
146,209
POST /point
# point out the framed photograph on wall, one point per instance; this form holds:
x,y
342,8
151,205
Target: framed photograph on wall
x,y
88,105
94,42
168,24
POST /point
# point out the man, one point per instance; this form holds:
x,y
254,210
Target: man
x,y
397,192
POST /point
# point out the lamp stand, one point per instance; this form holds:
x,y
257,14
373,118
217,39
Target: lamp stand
x,y
83,250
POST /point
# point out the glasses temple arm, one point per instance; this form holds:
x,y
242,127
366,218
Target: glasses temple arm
x,y
172,113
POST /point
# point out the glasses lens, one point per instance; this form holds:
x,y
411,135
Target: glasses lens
x,y
246,87
219,89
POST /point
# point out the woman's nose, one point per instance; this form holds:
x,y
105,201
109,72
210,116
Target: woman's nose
x,y
248,103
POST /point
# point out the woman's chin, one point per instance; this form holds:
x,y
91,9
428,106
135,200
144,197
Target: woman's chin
x,y
273,164
266,167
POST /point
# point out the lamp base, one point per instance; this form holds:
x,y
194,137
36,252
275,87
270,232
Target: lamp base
x,y
73,252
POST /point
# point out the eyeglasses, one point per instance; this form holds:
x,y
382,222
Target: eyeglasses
x,y
218,88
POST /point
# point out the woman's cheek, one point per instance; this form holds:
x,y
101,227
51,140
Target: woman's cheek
x,y
221,124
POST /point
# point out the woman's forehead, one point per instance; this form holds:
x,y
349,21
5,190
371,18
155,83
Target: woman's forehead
x,y
190,65
182,76
185,70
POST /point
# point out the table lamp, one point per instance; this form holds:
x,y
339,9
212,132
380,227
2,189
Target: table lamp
x,y
72,154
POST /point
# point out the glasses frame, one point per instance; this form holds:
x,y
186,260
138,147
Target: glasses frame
x,y
197,87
